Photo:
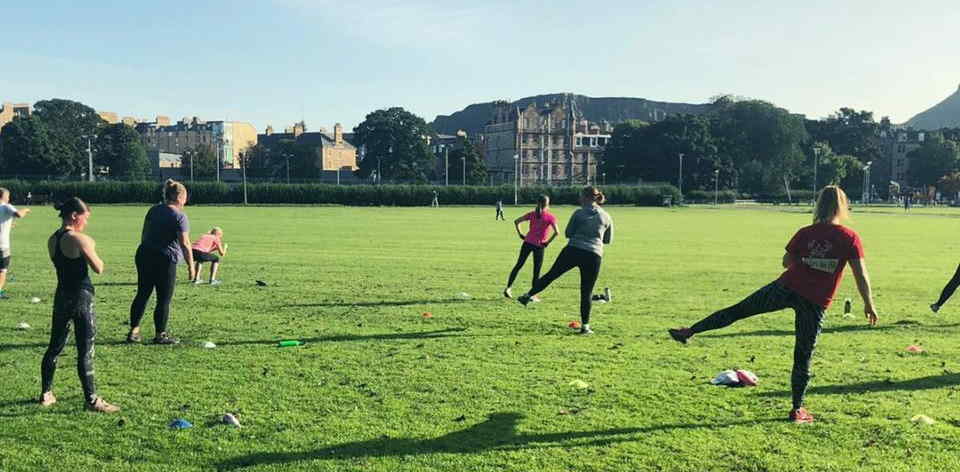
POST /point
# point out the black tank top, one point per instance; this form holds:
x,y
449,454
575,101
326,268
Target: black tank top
x,y
72,274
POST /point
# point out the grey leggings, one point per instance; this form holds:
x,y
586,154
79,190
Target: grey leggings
x,y
775,297
76,308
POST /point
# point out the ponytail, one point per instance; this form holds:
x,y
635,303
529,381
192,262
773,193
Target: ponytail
x,y
542,204
71,205
172,190
594,194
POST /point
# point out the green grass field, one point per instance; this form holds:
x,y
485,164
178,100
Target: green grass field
x,y
485,384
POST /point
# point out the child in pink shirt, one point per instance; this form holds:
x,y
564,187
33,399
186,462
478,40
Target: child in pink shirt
x,y
206,249
535,241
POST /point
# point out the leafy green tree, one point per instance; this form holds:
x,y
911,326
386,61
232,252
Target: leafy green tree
x,y
950,183
850,132
935,159
67,122
203,160
395,141
476,168
120,149
28,149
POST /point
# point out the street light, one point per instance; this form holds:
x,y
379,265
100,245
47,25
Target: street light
x,y
446,165
288,167
89,157
716,187
816,164
243,169
680,178
516,176
866,182
464,159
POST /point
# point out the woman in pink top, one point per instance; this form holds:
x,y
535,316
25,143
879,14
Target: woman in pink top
x,y
205,249
535,241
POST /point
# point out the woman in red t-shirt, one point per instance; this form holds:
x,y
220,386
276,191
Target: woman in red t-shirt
x,y
814,260
535,241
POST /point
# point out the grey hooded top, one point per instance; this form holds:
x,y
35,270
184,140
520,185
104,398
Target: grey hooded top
x,y
589,229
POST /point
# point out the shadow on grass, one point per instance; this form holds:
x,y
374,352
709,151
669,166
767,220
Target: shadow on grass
x,y
10,347
389,303
441,333
921,383
498,432
836,329
116,284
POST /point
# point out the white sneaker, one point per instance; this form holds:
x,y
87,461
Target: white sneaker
x,y
216,282
606,294
197,281
508,292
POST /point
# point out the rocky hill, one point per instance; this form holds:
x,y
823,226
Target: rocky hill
x,y
613,109
945,114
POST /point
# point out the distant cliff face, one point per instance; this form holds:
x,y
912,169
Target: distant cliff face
x,y
613,109
945,114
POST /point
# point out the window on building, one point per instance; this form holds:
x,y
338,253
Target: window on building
x,y
602,141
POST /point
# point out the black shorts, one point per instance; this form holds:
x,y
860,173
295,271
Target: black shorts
x,y
199,256
4,263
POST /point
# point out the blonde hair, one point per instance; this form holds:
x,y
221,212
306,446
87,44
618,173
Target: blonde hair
x,y
215,230
172,190
831,203
594,194
4,193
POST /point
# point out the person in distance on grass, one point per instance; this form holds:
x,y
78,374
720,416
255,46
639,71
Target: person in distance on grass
x,y
7,214
814,262
535,241
499,210
164,242
589,229
73,253
206,249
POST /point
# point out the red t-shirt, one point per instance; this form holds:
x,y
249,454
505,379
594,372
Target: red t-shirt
x,y
820,252
539,227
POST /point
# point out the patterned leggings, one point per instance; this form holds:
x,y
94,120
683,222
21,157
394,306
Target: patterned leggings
x,y
775,297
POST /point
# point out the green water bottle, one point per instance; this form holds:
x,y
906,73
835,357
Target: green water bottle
x,y
290,343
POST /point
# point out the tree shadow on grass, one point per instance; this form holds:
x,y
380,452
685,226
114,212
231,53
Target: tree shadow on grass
x,y
498,432
440,333
440,301
921,383
11,347
116,284
834,329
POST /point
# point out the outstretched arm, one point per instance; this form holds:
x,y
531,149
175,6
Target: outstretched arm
x,y
859,268
22,213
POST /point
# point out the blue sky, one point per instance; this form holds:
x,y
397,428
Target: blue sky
x,y
275,61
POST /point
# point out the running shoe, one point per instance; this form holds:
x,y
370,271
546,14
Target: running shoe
x,y
508,292
134,338
801,416
100,406
3,295
524,299
585,330
934,307
535,299
216,282
680,335
165,338
606,295
47,399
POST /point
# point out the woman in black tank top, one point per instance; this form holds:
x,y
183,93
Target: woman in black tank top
x,y
73,254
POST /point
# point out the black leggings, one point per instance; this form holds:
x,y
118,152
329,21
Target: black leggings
x,y
525,250
589,265
154,271
949,288
76,307
807,324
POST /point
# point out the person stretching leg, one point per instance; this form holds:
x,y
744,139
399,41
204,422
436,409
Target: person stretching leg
x,y
535,241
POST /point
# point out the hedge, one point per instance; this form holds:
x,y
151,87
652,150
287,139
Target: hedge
x,y
391,195
704,196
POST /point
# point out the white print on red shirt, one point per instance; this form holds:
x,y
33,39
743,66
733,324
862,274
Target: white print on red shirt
x,y
817,261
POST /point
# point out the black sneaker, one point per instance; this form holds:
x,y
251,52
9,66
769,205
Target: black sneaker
x,y
680,335
524,299
586,330
134,338
165,338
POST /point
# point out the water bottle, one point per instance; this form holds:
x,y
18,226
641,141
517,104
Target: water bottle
x,y
290,343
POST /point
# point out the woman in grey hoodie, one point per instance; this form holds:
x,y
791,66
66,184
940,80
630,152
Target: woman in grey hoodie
x,y
588,230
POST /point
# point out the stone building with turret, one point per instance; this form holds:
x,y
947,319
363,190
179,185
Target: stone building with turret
x,y
549,144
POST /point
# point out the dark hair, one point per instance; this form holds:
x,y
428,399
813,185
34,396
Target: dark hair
x,y
595,194
542,204
172,190
71,205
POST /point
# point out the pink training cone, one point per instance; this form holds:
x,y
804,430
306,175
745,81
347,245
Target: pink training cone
x,y
427,314
747,378
914,348
574,325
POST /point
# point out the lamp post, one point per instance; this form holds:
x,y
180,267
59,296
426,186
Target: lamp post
x,y
446,165
866,182
288,167
716,187
89,157
816,164
243,170
680,178
516,176
464,159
